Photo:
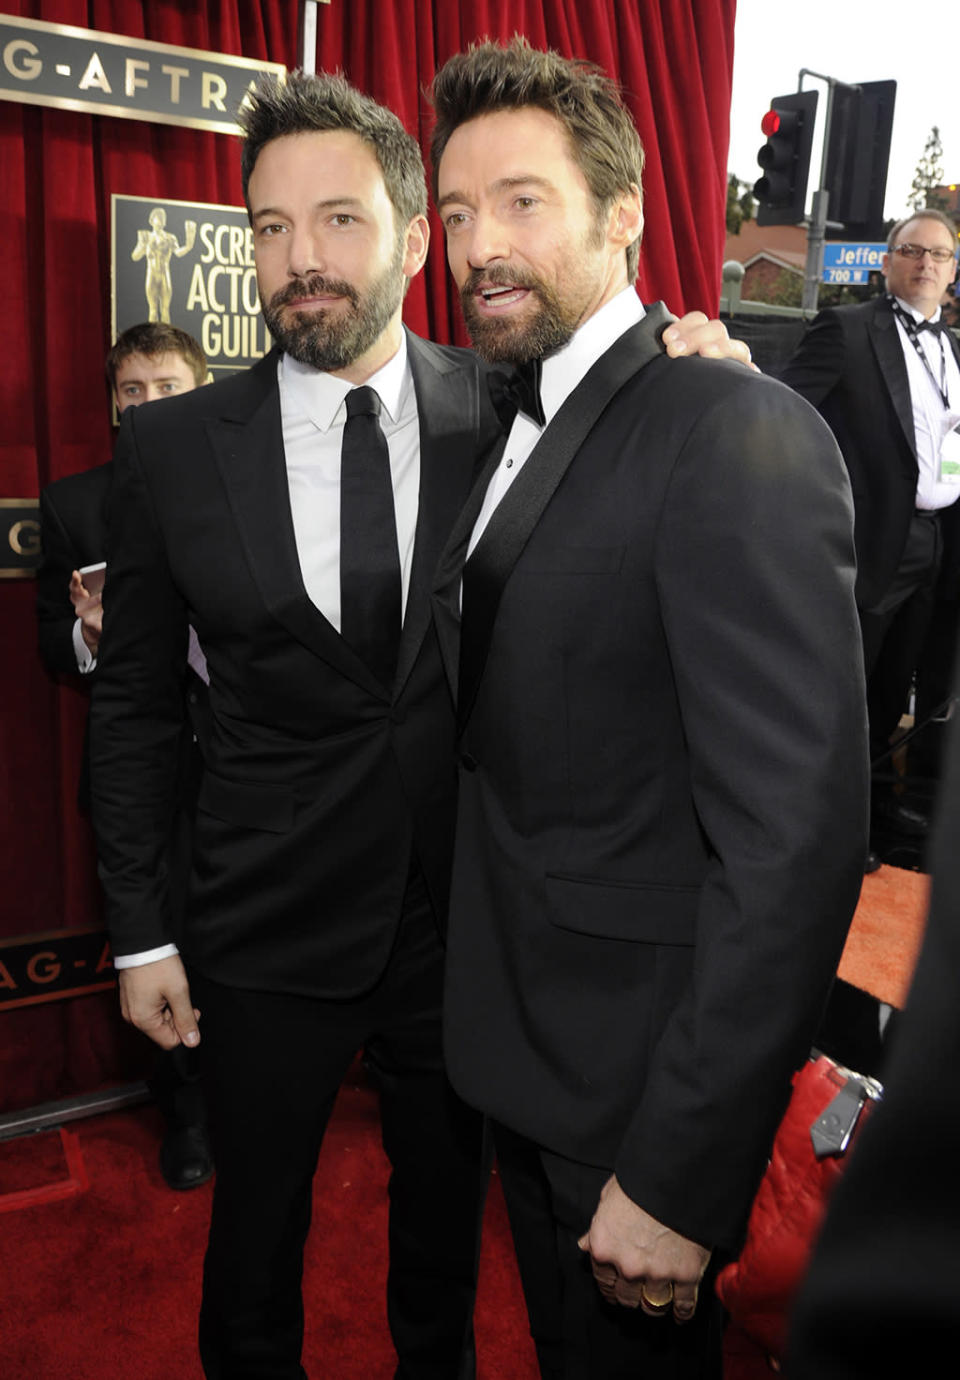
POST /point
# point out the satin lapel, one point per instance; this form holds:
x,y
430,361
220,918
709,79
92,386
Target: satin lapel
x,y
249,448
449,417
446,597
885,339
510,527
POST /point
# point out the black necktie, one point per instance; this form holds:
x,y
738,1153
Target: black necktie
x,y
370,589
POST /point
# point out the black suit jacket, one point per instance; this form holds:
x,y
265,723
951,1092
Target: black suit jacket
x,y
881,1300
850,366
73,528
663,777
74,516
320,782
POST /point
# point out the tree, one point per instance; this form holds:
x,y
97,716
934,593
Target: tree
x,y
929,175
740,203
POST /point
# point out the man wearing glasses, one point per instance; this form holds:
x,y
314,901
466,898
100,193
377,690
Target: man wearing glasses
x,y
885,376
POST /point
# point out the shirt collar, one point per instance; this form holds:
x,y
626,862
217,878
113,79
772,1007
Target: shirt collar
x,y
320,396
917,315
565,369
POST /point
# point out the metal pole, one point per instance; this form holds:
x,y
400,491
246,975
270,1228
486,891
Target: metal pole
x,y
815,239
308,37
817,224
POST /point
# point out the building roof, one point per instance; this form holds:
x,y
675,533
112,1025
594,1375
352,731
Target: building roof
x,y
786,244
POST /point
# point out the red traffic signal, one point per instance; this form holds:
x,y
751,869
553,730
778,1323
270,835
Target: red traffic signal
x,y
785,158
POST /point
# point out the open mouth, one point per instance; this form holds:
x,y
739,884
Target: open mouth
x,y
498,298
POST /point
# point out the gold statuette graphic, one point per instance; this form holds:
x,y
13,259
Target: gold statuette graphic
x,y
158,247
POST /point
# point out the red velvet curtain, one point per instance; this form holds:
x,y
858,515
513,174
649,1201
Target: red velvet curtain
x,y
57,171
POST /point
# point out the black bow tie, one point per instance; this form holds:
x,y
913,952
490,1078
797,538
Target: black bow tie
x,y
519,392
935,327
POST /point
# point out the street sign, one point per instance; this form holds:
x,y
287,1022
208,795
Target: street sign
x,y
851,263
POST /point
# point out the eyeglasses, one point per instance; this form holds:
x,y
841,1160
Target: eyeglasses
x,y
917,251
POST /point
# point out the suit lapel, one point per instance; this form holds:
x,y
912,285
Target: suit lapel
x,y
248,443
448,408
510,526
885,339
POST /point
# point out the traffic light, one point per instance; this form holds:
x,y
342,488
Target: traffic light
x,y
858,152
785,158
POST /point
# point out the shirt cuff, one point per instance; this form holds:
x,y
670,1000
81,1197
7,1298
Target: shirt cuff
x,y
86,661
147,956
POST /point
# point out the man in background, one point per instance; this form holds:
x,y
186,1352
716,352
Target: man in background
x,y
662,782
148,362
885,376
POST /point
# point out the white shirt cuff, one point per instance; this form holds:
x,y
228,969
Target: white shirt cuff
x,y
86,661
147,956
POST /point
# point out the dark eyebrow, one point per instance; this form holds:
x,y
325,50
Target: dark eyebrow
x,y
331,203
502,184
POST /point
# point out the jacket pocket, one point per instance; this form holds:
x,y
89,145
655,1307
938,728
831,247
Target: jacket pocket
x,y
270,808
640,912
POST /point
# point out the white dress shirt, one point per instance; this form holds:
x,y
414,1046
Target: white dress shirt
x,y
561,374
312,414
933,424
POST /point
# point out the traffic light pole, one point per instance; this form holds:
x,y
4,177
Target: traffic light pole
x,y
817,224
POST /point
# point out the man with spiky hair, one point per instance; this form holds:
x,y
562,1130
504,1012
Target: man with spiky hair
x,y
648,608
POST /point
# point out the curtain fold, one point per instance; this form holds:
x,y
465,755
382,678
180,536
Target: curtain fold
x,y
58,169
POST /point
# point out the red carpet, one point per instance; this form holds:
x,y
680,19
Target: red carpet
x,y
105,1284
102,1280
886,933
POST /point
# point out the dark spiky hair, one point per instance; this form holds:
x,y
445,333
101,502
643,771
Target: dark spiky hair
x,y
490,77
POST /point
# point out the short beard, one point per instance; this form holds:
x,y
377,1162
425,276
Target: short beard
x,y
333,340
504,340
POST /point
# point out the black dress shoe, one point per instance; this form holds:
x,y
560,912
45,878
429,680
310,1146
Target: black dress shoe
x,y
186,1160
872,863
892,814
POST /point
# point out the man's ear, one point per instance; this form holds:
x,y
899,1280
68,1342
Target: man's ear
x,y
416,245
625,222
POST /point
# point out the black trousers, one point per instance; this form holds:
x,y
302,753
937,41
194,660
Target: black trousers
x,y
578,1335
272,1067
894,630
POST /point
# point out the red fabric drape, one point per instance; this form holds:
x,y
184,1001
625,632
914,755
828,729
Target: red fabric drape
x,y
57,172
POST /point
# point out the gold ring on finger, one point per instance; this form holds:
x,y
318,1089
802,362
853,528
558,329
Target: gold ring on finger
x,y
657,1305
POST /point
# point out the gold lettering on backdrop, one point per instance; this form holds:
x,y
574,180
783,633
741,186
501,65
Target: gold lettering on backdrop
x,y
48,973
5,979
158,247
94,75
131,81
175,73
213,92
30,67
24,537
233,337
105,961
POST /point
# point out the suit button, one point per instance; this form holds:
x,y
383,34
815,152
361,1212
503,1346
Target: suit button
x,y
468,762
398,715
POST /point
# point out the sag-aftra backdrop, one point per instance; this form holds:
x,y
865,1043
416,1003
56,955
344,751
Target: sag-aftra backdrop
x,y
59,168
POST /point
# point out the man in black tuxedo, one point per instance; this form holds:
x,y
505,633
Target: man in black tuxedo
x,y
662,799
148,362
885,376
